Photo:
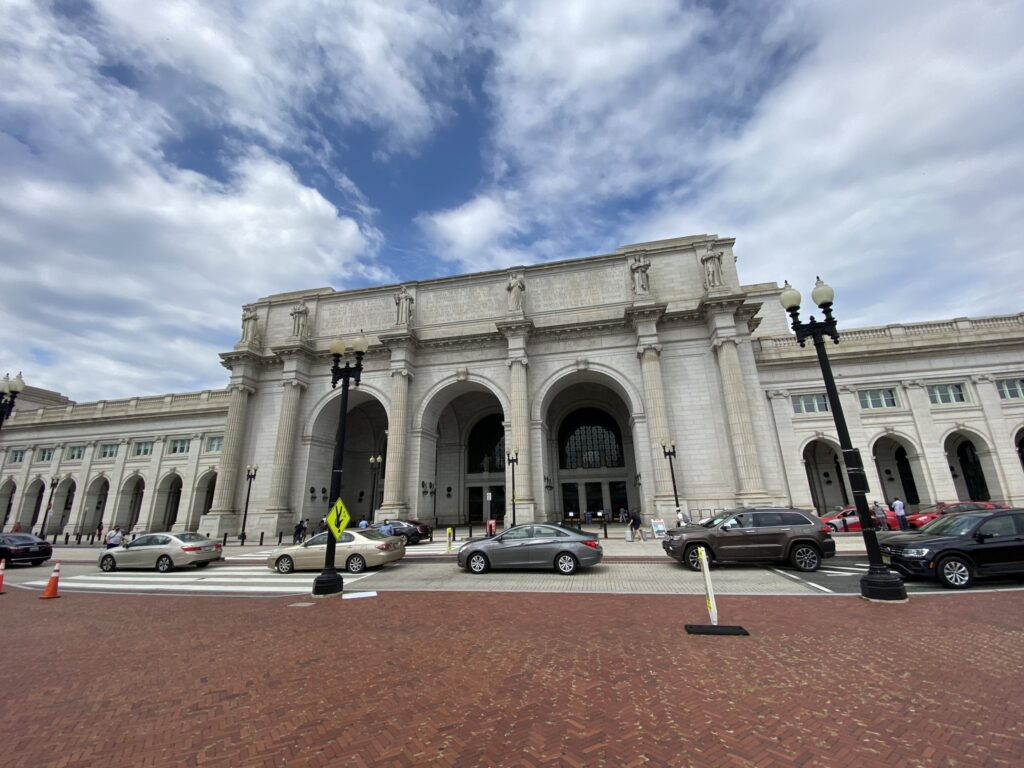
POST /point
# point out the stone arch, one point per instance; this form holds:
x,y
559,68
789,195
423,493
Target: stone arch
x,y
32,500
595,373
7,491
356,396
1018,443
901,469
442,425
826,474
167,502
128,504
63,499
96,497
972,464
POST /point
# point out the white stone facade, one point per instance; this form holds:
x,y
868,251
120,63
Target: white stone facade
x,y
581,370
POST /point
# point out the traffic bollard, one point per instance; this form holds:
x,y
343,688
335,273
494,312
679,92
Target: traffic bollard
x,y
280,537
261,538
78,539
225,543
605,524
846,526
67,538
55,538
470,530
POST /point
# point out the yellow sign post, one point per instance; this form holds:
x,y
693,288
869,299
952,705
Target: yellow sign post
x,y
338,519
451,538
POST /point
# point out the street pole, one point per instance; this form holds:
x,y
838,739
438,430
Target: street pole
x,y
9,391
513,459
54,482
879,583
670,453
374,469
330,582
250,475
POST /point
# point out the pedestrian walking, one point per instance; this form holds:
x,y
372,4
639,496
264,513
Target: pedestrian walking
x,y
879,512
115,537
635,526
99,531
901,514
17,527
623,517
322,525
297,533
363,522
387,529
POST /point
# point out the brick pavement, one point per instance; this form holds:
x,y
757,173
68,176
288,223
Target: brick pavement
x,y
458,679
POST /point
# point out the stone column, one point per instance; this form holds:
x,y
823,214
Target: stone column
x,y
220,520
940,486
394,504
657,421
281,474
1004,452
521,438
149,512
799,490
741,430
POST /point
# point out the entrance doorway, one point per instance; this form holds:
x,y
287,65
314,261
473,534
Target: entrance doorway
x,y
480,508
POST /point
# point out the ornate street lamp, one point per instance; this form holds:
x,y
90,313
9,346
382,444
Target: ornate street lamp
x,y
250,475
879,583
330,582
9,391
54,482
375,462
512,458
670,453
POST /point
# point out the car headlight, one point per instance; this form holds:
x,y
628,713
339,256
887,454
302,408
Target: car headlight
x,y
918,552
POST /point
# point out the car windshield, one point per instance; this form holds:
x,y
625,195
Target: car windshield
x,y
369,533
190,537
951,525
22,538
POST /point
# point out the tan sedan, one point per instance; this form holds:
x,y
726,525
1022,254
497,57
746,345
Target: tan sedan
x,y
354,552
163,551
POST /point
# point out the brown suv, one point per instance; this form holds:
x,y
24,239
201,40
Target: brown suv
x,y
745,535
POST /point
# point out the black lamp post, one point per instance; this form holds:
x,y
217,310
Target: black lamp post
x,y
49,502
374,469
250,475
513,459
330,582
670,453
879,583
9,391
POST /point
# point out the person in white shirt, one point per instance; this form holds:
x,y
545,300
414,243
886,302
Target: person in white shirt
x,y
115,537
901,513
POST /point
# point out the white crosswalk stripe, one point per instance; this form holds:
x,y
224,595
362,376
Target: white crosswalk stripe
x,y
229,580
413,550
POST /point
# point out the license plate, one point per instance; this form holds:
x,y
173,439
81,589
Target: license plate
x,y
886,559
208,549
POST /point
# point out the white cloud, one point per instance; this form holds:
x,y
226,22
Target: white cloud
x,y
472,234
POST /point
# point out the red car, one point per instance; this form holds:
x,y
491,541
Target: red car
x,y
927,514
848,514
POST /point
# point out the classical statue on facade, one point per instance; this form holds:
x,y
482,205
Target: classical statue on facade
x,y
249,320
403,303
299,313
516,286
639,267
712,262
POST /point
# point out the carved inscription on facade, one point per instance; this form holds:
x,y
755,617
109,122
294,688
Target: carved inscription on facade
x,y
572,290
347,316
465,302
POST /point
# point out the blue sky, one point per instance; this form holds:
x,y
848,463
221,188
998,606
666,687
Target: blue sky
x,y
164,163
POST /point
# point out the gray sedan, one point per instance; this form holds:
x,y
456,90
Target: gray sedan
x,y
163,551
533,546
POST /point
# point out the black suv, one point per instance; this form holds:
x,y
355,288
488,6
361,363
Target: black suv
x,y
957,548
412,531
744,535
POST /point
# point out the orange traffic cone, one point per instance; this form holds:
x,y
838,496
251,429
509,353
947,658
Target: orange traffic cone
x,y
3,567
51,585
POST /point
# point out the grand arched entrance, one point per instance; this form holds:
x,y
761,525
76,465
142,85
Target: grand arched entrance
x,y
95,505
825,476
168,499
972,467
129,503
1020,448
63,498
365,438
899,469
590,459
32,505
7,502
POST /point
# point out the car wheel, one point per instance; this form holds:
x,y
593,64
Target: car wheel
x,y
405,539
834,527
284,564
164,564
805,558
108,564
477,563
955,572
566,564
691,557
355,564
203,564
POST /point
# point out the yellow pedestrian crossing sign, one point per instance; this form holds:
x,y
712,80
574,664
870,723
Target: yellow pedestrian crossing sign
x,y
338,519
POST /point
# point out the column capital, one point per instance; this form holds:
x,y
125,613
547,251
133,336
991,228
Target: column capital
x,y
980,378
720,341
648,346
239,387
301,385
402,372
912,384
778,394
518,359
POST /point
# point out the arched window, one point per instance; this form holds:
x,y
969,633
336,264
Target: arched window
x,y
486,450
590,439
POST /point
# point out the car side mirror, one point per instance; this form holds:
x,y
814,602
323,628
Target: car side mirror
x,y
726,527
982,536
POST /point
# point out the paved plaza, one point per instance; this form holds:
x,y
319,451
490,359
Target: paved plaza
x,y
488,679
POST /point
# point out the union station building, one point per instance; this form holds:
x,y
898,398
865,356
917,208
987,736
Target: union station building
x,y
584,373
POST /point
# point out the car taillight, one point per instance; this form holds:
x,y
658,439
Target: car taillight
x,y
826,529
384,547
191,549
218,546
592,543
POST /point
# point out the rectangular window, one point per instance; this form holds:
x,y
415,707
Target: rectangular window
x,y
180,445
76,452
816,403
45,454
144,448
215,444
943,394
108,451
17,457
1011,389
877,398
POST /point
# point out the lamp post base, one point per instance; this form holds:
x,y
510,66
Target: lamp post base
x,y
328,584
882,585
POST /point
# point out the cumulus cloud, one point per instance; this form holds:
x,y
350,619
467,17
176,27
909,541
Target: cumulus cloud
x,y
472,234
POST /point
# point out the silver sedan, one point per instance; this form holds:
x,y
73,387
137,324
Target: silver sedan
x,y
533,546
355,551
163,551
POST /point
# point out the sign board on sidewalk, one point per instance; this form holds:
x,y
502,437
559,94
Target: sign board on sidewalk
x,y
658,527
